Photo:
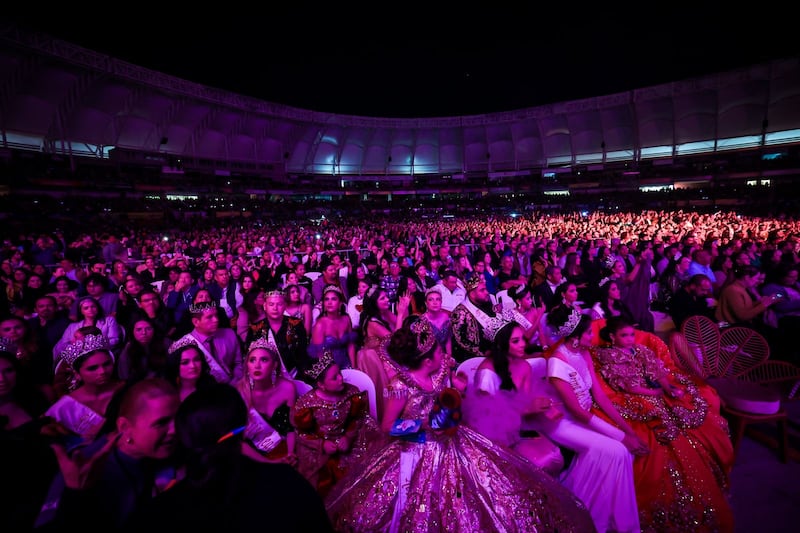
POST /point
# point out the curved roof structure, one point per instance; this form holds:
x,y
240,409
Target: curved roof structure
x,y
57,97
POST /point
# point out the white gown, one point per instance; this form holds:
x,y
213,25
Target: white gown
x,y
601,472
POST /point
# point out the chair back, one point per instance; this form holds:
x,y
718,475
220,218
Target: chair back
x,y
503,298
469,367
684,356
740,349
301,387
363,382
313,275
702,337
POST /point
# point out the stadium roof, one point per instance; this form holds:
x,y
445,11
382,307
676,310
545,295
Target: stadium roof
x,y
410,61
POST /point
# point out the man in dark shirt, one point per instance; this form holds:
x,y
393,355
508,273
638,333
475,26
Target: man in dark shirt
x,y
694,298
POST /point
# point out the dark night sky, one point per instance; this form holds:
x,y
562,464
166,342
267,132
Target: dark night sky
x,y
409,63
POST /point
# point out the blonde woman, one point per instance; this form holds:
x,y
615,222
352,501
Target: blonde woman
x,y
270,397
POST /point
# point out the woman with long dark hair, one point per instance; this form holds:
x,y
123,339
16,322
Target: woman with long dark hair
x,y
144,354
505,394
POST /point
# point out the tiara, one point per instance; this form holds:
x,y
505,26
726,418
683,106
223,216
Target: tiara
x,y
322,364
274,293
569,326
496,323
200,307
186,340
610,260
436,288
473,282
425,337
262,342
90,343
518,293
7,345
333,288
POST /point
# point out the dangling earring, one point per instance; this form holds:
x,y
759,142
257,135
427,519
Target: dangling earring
x,y
250,381
575,343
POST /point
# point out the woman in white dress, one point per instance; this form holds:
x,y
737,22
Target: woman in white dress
x,y
601,471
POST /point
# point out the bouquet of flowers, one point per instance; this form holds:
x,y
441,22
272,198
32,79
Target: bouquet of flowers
x,y
446,413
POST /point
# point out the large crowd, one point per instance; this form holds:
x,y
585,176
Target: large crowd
x,y
109,329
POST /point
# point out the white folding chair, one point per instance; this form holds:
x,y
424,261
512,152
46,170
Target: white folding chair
x,y
505,299
469,367
313,275
301,387
363,382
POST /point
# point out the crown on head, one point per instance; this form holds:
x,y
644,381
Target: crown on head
x,y
425,337
262,342
473,282
7,345
436,288
79,348
201,307
565,329
333,288
277,292
496,323
321,365
186,340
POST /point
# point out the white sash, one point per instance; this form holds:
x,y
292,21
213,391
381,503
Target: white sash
x,y
494,323
76,416
261,434
284,372
218,372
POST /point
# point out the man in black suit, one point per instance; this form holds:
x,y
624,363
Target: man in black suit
x,y
546,291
